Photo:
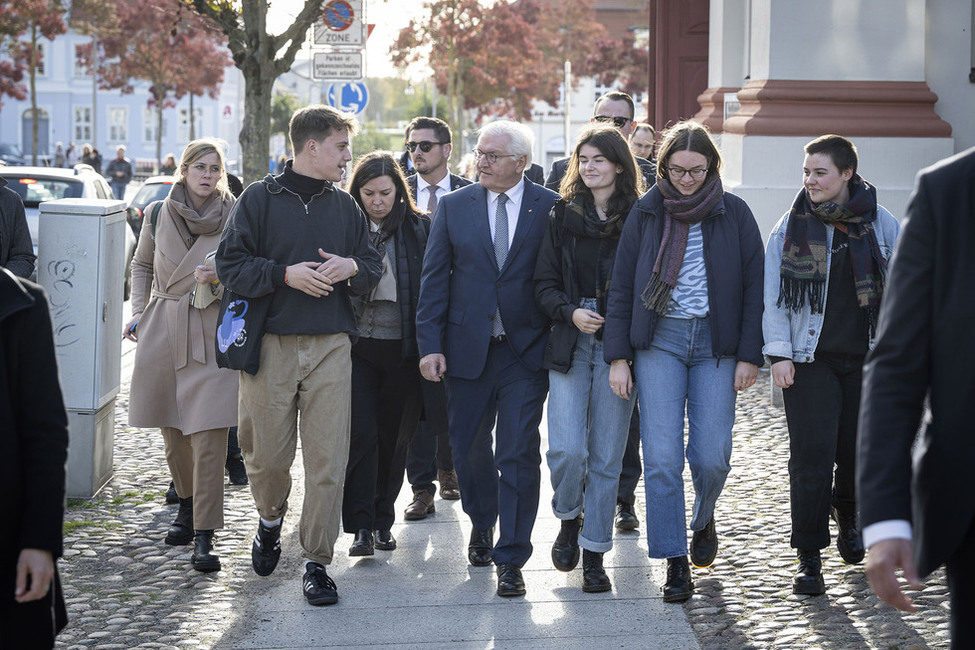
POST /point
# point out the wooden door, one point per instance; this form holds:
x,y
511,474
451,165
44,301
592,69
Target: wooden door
x,y
678,59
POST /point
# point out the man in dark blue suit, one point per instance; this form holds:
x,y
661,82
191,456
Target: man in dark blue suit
x,y
429,457
478,326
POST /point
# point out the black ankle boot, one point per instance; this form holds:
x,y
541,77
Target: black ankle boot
x,y
203,558
678,587
565,550
181,532
809,576
594,578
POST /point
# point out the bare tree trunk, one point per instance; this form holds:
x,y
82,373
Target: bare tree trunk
x,y
255,129
159,127
192,120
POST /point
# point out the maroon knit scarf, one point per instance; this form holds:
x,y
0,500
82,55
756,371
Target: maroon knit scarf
x,y
680,213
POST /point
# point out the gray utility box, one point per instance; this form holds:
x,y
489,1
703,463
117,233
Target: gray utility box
x,y
81,253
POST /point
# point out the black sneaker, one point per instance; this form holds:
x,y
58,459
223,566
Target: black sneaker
x,y
266,550
236,471
704,546
318,588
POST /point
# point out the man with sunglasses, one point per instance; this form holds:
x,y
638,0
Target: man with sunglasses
x,y
616,108
429,457
478,327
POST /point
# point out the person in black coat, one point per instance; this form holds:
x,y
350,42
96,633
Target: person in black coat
x,y
587,422
917,498
34,444
386,390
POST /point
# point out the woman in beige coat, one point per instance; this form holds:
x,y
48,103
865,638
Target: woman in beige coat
x,y
176,384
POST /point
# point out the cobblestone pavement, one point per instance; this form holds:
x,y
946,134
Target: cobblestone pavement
x,y
126,589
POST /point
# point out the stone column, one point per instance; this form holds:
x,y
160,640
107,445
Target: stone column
x,y
856,69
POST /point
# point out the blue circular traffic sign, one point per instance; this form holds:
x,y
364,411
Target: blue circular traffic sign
x,y
350,97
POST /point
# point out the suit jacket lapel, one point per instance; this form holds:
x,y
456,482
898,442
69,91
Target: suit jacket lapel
x,y
482,227
526,219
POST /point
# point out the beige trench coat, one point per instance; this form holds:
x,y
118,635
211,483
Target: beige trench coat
x,y
176,382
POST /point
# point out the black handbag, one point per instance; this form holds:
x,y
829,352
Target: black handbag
x,y
239,331
241,325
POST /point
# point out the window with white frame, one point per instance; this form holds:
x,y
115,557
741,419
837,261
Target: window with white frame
x,y
118,124
150,125
183,133
82,124
80,69
40,67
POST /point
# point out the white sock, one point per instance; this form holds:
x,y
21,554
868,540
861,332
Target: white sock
x,y
271,524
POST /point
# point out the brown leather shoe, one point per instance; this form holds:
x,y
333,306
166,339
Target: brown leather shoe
x,y
448,484
421,507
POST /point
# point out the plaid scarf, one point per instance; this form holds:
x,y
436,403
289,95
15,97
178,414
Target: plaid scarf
x,y
802,276
680,213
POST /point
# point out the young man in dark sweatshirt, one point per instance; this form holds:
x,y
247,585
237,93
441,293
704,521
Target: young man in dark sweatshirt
x,y
304,241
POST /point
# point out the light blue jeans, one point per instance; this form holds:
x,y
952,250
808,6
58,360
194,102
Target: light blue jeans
x,y
678,372
587,429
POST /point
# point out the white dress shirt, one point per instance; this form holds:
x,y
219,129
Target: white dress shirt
x,y
513,207
424,188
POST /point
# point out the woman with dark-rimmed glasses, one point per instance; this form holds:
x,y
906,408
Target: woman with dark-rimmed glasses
x,y
685,311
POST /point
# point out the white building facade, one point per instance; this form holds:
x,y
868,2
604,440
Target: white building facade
x,y
71,110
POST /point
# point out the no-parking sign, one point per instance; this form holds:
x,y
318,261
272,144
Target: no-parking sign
x,y
341,24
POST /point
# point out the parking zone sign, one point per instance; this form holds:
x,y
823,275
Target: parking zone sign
x,y
341,24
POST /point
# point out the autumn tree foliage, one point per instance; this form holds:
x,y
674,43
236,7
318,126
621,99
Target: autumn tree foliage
x,y
622,62
33,19
162,42
500,59
261,58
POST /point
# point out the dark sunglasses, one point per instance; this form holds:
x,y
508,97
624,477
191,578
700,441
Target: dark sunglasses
x,y
618,122
425,146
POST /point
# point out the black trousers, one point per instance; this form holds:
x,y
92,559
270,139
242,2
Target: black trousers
x,y
386,405
430,447
821,408
632,465
961,589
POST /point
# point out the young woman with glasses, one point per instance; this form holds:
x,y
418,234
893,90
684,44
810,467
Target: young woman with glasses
x,y
587,423
176,384
685,310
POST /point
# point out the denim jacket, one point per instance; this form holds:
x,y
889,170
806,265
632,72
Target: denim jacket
x,y
796,335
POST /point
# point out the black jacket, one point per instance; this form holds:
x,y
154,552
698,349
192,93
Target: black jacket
x,y
556,289
411,242
16,247
734,258
34,444
924,352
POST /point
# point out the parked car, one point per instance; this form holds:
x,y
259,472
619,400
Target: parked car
x,y
38,184
12,155
155,188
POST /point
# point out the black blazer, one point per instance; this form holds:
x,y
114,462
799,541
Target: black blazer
x,y
924,349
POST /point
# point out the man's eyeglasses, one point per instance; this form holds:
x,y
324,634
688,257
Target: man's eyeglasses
x,y
424,146
677,173
492,157
618,122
